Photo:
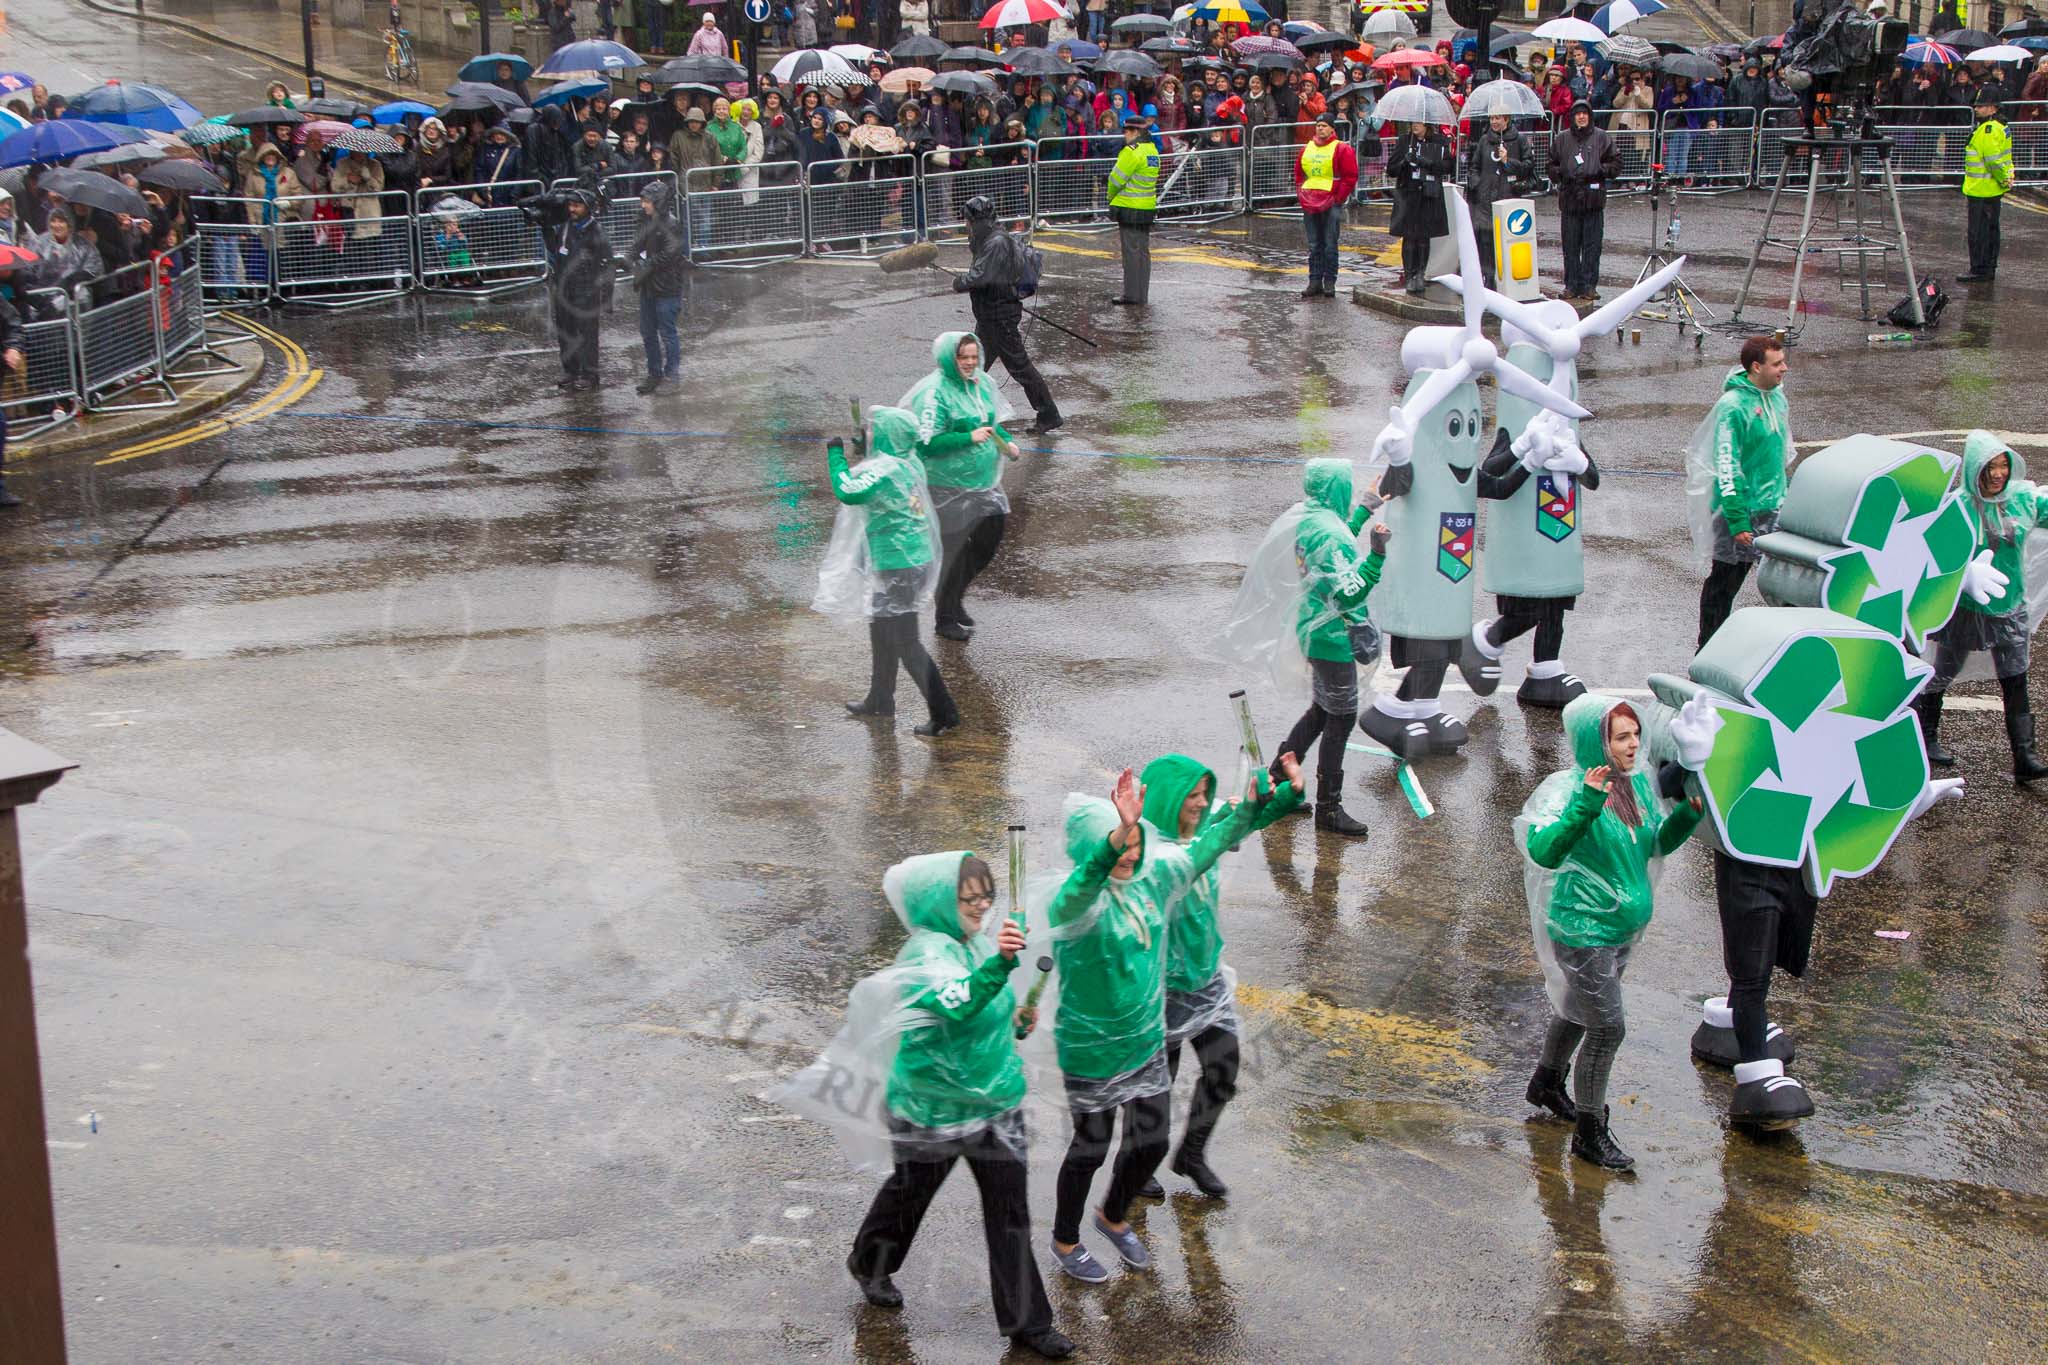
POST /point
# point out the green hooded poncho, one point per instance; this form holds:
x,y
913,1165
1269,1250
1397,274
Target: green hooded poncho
x,y
1601,893
965,1067
2001,522
890,485
1334,580
1194,942
1752,444
948,409
1109,936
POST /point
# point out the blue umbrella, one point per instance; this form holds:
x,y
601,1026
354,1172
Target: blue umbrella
x,y
593,54
1621,13
135,104
14,82
1083,51
570,90
62,139
398,109
2034,44
485,68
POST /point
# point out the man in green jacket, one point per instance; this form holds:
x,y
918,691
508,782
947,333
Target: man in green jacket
x,y
1749,435
1134,204
1987,175
1333,629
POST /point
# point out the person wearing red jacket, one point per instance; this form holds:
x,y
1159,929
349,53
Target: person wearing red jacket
x,y
1324,177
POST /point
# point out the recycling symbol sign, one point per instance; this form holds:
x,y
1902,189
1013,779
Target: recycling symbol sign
x,y
1819,759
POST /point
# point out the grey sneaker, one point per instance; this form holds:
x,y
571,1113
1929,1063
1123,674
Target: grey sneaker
x,y
1080,1264
1127,1245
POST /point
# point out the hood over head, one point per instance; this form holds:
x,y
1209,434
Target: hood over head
x,y
924,891
1091,820
1169,780
1980,448
1328,485
1585,719
891,431
943,347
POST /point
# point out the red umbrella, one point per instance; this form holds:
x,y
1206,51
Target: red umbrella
x,y
12,257
1408,56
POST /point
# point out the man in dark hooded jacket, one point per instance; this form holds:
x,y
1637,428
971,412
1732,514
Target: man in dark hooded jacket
x,y
547,148
579,271
658,263
991,288
1583,159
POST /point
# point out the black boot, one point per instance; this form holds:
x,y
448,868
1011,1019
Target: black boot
x,y
7,499
1928,707
1188,1161
2025,766
1593,1142
879,1289
1330,812
1048,1342
1546,1091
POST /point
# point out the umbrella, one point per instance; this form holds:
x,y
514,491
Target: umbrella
x,y
592,54
2001,52
981,56
1629,50
11,122
1168,47
1274,61
519,117
839,78
346,110
900,80
1415,104
919,47
876,138
2018,28
1967,39
1295,29
1759,45
714,91
1407,56
96,191
14,82
1036,61
134,104
803,62
62,139
1512,98
1691,66
1928,53
2032,44
187,177
1231,11
1569,31
1622,13
1141,23
14,257
398,109
1018,13
252,118
450,204
475,95
485,67
580,89
1514,37
1318,42
1259,42
1080,50
135,153
366,140
706,67
1125,62
212,134
961,82
1388,23
856,52
1204,64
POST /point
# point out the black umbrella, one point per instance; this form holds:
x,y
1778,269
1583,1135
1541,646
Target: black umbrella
x,y
1967,39
1669,48
1691,66
1168,47
1141,23
2024,28
251,118
918,47
706,67
961,83
1273,61
1125,62
187,177
978,55
476,94
712,90
1514,37
1204,64
1315,42
96,191
1036,61
345,110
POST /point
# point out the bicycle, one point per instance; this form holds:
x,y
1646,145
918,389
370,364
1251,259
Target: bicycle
x,y
399,62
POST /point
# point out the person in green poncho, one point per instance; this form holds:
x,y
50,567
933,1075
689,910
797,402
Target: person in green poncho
x,y
1591,834
1201,1011
897,573
963,447
1109,941
955,1092
2003,508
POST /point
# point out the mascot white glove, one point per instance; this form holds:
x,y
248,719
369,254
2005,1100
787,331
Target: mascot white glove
x,y
1934,793
1693,730
1396,442
1981,582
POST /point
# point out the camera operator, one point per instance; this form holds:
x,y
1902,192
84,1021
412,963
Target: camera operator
x,y
579,274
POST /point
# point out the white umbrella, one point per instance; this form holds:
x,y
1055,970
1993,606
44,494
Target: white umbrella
x,y
1570,31
1620,14
855,52
1414,104
2003,52
1501,97
806,60
1389,23
1628,50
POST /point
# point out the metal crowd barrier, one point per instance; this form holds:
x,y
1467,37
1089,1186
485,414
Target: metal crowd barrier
x,y
1072,184
324,256
732,226
1709,149
1275,151
2027,121
120,341
620,220
45,394
234,253
947,191
480,244
1201,184
188,348
853,208
1636,146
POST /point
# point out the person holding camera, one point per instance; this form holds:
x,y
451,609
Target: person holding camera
x,y
1497,163
579,275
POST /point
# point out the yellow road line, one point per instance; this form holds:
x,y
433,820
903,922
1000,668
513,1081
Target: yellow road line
x,y
299,379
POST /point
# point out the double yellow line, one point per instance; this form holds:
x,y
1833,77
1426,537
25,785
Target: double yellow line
x,y
299,378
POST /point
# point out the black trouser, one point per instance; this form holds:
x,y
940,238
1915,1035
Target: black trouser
x,y
1717,597
1216,1050
1424,678
1548,625
883,1241
1483,236
1144,1147
1984,235
894,640
1582,233
968,552
1414,259
1335,731
997,327
1766,922
576,327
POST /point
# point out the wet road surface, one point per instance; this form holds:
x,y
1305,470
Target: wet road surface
x,y
467,831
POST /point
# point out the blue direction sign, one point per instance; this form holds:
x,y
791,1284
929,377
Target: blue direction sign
x,y
756,11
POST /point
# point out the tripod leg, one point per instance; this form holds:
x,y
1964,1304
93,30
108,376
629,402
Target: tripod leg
x,y
1805,231
1763,239
1891,192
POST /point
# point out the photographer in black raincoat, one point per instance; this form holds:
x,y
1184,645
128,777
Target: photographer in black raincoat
x,y
991,286
1421,162
579,274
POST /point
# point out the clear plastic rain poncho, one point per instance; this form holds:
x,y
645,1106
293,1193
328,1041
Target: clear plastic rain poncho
x,y
1600,893
926,1064
883,558
1277,609
1700,475
966,477
2015,515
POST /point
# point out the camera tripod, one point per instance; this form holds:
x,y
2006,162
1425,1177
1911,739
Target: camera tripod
x,y
1677,303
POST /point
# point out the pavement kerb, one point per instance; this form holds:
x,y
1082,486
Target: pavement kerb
x,y
82,434
332,75
1717,25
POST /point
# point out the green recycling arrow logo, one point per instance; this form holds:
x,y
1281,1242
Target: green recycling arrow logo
x,y
1908,542
1821,764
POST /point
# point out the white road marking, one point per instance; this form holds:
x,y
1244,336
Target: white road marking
x,y
66,1146
762,1239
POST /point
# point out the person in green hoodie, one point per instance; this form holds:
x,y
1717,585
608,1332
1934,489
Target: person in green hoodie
x,y
1592,835
1180,796
730,137
1109,942
884,564
963,445
1333,629
2003,507
1738,469
956,1090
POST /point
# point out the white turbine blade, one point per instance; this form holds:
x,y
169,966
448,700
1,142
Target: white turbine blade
x,y
1468,260
1622,307
1434,390
1519,382
1514,311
